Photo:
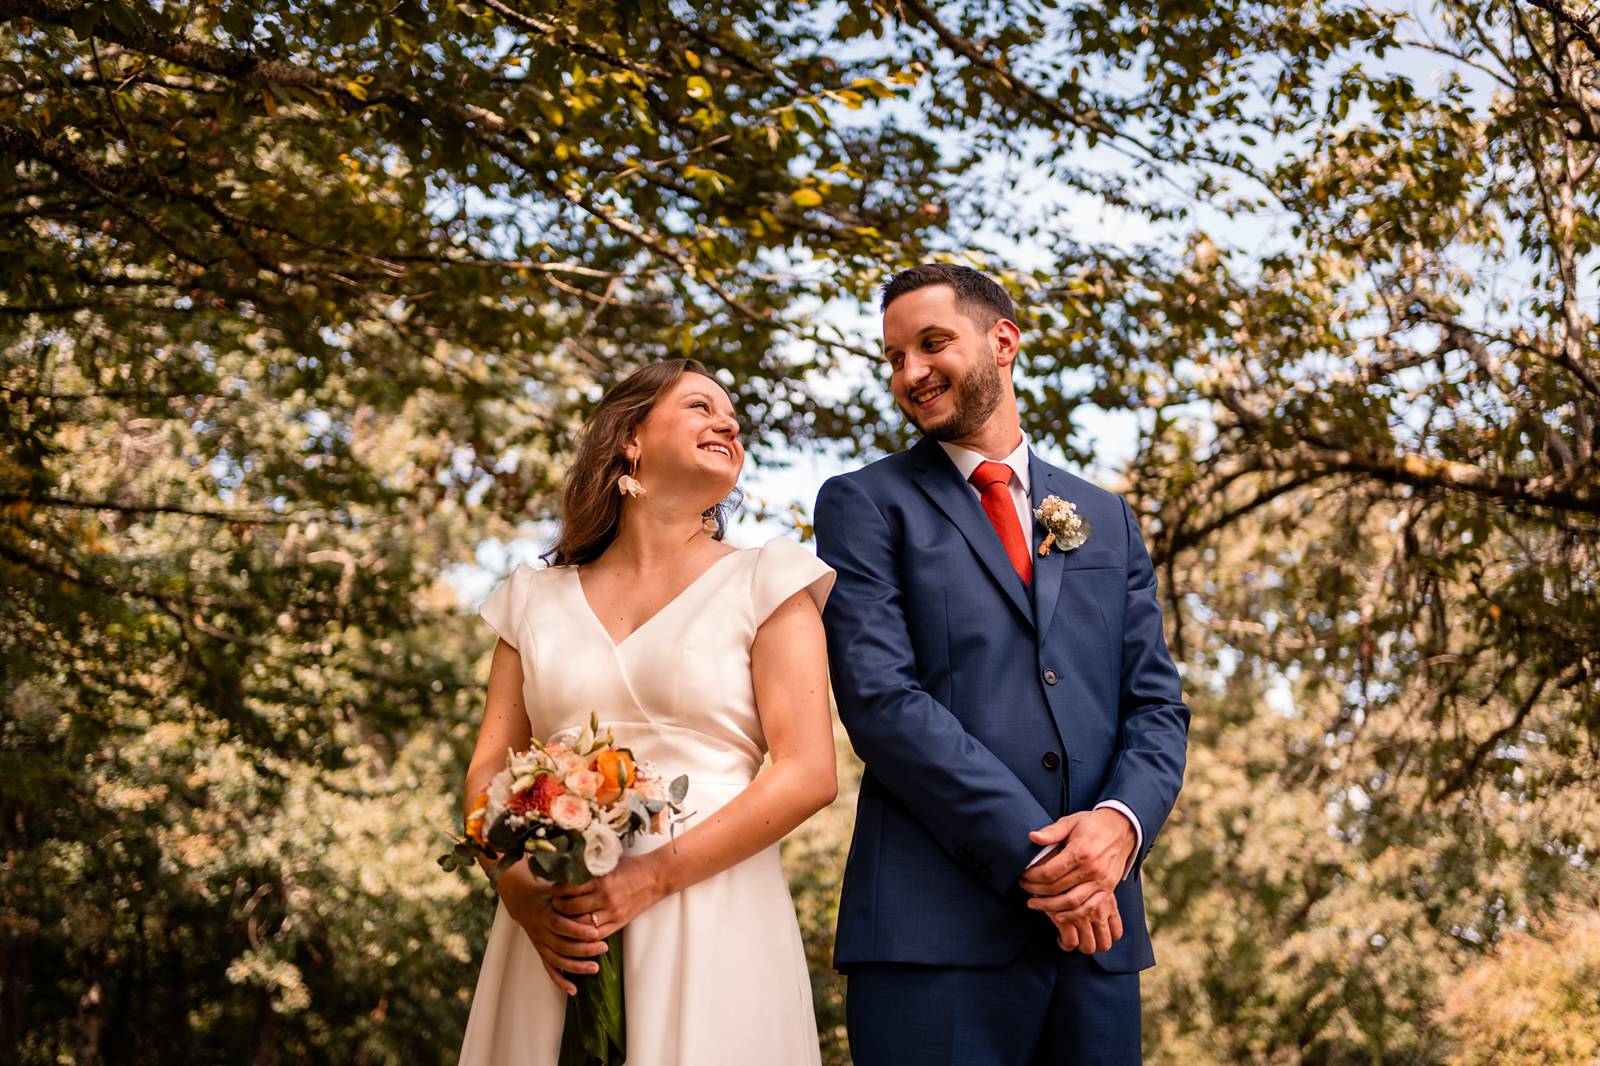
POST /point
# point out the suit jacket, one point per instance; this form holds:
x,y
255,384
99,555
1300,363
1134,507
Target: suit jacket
x,y
984,708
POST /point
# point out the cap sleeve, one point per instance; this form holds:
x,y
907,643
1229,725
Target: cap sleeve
x,y
503,609
783,568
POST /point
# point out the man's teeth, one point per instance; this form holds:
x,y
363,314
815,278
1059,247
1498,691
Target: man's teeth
x,y
719,449
924,397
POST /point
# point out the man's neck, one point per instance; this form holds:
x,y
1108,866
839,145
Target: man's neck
x,y
996,439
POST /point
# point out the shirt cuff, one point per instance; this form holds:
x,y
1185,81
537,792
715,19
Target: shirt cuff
x,y
1047,849
1138,831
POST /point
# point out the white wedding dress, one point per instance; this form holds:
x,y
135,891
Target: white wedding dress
x,y
716,973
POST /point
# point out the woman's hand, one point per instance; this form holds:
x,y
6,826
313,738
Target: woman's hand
x,y
564,946
617,898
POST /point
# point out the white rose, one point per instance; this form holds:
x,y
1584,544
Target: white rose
x,y
602,849
571,763
499,796
569,811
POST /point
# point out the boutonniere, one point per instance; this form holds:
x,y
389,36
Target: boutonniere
x,y
1061,520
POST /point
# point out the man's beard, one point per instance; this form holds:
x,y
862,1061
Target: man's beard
x,y
977,394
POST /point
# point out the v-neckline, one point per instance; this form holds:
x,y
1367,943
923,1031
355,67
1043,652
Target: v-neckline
x,y
618,645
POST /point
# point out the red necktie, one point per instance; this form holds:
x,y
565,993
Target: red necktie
x,y
992,480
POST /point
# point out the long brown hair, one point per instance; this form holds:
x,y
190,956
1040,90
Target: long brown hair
x,y
591,506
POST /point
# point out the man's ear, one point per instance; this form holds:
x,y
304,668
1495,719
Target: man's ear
x,y
1006,340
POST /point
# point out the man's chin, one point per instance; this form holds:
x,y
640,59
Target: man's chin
x,y
948,428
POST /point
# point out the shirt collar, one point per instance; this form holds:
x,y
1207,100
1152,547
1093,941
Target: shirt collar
x,y
967,461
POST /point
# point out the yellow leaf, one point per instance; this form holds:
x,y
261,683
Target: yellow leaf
x,y
356,89
806,197
693,60
699,88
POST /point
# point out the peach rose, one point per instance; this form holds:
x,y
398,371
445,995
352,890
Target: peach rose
x,y
569,811
584,782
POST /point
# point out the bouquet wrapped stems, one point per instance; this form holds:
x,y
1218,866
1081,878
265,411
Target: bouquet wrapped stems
x,y
596,1030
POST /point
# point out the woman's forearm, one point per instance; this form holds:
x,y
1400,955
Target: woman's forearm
x,y
769,808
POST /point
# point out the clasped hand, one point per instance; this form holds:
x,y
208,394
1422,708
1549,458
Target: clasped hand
x,y
1074,883
568,924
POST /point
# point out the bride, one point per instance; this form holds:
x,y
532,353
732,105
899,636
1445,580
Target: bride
x,y
704,659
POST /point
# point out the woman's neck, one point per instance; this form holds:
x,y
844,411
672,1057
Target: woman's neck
x,y
653,534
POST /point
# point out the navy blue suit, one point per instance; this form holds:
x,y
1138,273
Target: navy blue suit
x,y
984,708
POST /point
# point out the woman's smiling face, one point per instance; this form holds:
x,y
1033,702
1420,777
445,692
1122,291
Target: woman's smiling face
x,y
689,442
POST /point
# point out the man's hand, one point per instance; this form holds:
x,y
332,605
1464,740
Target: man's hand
x,y
1095,848
1074,884
1086,918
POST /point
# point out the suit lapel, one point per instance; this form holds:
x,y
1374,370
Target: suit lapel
x,y
1046,585
938,477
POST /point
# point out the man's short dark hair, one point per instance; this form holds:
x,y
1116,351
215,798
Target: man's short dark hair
x,y
977,295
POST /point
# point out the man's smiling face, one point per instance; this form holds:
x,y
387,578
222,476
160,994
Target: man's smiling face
x,y
942,365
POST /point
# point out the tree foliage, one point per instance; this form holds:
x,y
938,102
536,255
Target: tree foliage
x,y
302,301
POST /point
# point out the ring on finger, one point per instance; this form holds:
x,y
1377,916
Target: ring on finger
x,y
593,920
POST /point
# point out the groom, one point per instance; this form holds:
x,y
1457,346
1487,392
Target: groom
x,y
1018,714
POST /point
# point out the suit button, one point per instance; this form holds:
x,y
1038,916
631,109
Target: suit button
x,y
1051,760
1049,677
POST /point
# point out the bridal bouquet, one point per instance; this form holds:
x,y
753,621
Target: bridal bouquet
x,y
568,807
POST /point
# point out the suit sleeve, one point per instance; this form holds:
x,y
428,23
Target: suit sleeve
x,y
970,801
1153,720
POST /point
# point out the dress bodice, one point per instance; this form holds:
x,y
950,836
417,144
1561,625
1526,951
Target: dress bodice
x,y
677,690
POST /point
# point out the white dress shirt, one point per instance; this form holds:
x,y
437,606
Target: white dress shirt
x,y
967,461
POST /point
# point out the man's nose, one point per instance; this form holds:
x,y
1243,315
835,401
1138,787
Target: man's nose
x,y
913,368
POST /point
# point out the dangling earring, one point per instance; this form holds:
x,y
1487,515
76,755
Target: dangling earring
x,y
629,485
708,520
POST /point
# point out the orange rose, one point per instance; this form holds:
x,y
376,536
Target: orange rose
x,y
616,770
475,817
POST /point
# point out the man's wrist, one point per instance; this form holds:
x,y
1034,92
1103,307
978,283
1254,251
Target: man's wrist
x,y
1136,830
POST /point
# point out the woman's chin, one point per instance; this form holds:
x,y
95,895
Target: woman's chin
x,y
721,467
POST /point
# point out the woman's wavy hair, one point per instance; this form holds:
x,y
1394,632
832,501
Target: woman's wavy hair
x,y
591,506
